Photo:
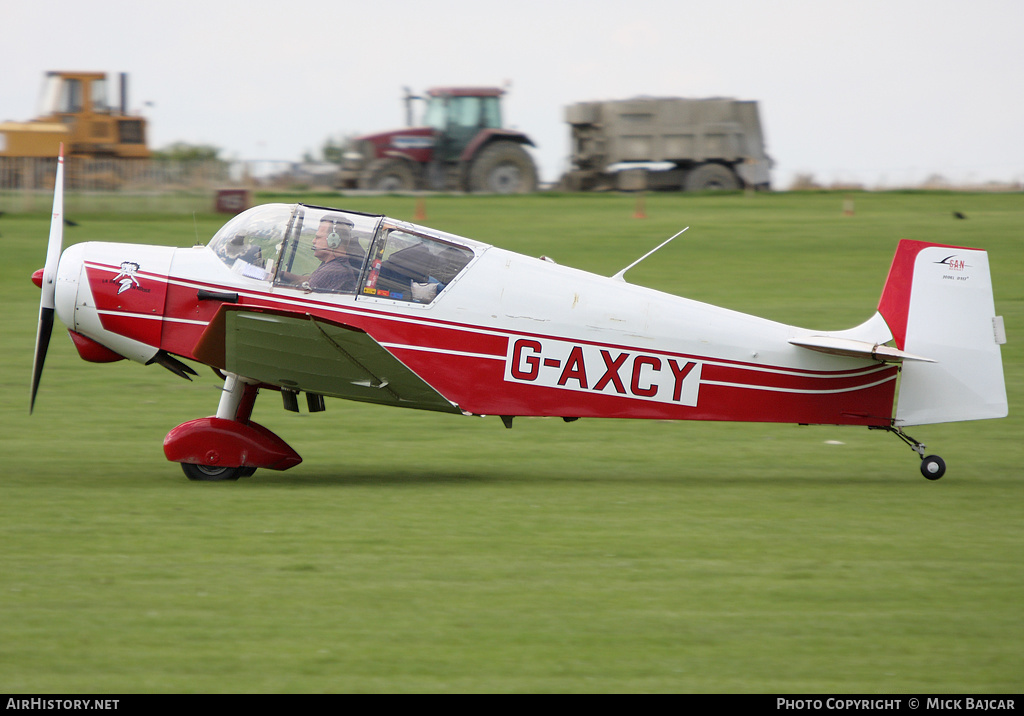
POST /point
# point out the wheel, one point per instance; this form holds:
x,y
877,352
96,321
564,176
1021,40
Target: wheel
x,y
933,467
212,473
503,168
388,175
711,177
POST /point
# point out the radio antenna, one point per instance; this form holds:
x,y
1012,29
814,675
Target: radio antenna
x,y
620,274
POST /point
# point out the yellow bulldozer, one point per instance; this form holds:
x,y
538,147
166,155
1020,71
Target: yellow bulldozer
x,y
79,110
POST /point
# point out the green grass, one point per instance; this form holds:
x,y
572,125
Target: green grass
x,y
432,553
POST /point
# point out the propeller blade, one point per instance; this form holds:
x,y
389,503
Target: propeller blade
x,y
47,299
42,344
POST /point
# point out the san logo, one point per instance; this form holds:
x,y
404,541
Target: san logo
x,y
953,263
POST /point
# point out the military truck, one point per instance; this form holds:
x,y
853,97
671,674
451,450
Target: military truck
x,y
666,144
461,146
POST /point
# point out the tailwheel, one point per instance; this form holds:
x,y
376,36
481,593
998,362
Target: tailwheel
x,y
214,473
933,467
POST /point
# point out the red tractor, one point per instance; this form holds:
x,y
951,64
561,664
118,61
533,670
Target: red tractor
x,y
460,147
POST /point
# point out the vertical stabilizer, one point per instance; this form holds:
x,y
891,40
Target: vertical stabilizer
x,y
938,303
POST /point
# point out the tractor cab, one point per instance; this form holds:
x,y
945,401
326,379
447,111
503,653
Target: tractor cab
x,y
67,93
457,115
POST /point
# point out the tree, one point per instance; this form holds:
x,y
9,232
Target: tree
x,y
333,150
185,152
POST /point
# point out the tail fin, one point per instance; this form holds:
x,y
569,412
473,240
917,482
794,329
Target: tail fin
x,y
938,304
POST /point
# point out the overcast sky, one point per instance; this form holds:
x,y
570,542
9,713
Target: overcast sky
x,y
882,92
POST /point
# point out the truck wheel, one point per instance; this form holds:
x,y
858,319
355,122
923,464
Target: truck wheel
x,y
388,175
503,168
709,177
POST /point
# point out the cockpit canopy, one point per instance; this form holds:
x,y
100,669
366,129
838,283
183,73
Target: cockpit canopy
x,y
322,250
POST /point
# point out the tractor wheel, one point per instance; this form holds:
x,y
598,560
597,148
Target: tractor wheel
x,y
503,168
388,175
710,177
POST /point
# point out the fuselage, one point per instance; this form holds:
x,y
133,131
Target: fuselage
x,y
508,335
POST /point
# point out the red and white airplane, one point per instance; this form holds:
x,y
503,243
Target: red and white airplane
x,y
331,303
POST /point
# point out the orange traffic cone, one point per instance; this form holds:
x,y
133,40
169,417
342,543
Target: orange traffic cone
x,y
421,210
641,207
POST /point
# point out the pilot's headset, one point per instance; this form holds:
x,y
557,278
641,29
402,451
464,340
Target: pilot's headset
x,y
334,238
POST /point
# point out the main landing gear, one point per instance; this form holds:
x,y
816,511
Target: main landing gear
x,y
229,445
932,466
211,473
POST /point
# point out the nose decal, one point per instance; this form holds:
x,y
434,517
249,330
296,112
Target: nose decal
x,y
126,277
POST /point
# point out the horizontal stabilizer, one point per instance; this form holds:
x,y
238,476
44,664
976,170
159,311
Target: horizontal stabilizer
x,y
856,349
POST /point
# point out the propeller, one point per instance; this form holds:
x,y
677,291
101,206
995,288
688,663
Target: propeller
x,y
47,298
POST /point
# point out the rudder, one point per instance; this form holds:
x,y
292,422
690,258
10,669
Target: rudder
x,y
938,303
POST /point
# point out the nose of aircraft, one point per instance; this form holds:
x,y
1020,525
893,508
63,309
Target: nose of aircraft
x,y
69,271
65,288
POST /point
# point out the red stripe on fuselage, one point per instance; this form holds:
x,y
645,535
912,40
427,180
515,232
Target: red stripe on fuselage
x,y
466,363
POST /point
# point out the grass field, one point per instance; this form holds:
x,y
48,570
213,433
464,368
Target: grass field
x,y
432,553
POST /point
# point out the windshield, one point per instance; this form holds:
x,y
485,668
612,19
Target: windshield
x,y
462,111
99,96
249,244
50,97
436,114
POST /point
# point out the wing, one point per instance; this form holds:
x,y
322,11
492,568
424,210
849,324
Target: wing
x,y
299,352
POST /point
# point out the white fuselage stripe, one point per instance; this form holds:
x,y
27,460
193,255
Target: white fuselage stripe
x,y
150,317
802,391
445,351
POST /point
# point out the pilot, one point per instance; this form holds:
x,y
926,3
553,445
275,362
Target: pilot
x,y
340,255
